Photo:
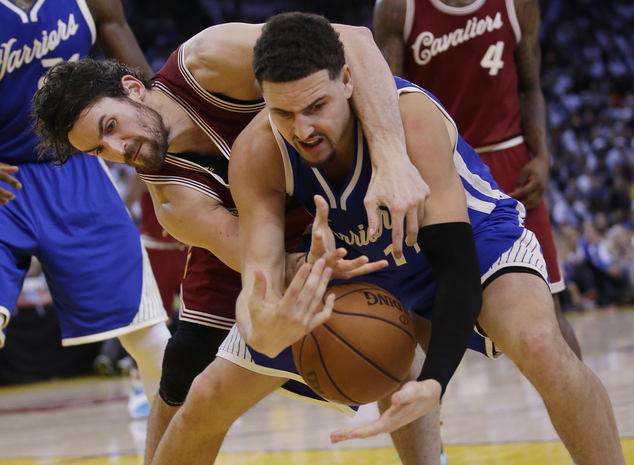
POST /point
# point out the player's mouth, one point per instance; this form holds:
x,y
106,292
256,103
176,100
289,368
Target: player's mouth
x,y
311,145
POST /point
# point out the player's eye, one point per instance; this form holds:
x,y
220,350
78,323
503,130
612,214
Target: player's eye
x,y
99,150
109,127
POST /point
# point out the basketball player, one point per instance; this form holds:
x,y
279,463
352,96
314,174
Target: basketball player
x,y
472,238
101,288
195,107
488,79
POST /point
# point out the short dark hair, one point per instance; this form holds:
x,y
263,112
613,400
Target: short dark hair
x,y
295,45
69,88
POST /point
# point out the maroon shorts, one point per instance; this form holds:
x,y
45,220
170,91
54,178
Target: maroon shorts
x,y
209,291
168,267
505,166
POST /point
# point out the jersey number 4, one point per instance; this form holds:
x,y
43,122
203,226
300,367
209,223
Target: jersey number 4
x,y
493,58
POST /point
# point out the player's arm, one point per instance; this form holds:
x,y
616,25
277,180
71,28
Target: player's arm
x,y
269,318
388,24
220,59
447,241
114,36
197,219
5,176
394,183
446,237
533,178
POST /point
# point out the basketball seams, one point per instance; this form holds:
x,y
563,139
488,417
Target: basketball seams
x,y
358,352
363,315
323,364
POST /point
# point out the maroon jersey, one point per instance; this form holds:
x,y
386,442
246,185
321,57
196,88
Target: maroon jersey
x,y
149,226
210,288
464,56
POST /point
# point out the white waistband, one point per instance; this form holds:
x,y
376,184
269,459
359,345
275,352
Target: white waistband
x,y
507,144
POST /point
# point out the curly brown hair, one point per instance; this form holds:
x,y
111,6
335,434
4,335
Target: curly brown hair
x,y
69,88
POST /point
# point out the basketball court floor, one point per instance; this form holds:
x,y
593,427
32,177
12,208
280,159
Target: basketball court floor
x,y
491,415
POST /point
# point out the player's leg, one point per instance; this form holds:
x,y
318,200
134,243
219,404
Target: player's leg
x,y
18,240
517,314
99,275
538,222
505,166
417,443
218,397
190,350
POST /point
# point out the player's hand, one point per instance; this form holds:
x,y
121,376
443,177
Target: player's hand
x,y
277,322
323,246
399,187
5,176
412,401
532,182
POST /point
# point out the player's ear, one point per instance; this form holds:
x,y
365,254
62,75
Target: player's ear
x,y
346,79
134,87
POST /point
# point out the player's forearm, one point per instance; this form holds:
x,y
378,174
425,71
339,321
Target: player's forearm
x,y
375,99
451,251
533,118
200,230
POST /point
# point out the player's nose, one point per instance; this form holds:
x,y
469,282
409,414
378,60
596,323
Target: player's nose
x,y
303,127
114,145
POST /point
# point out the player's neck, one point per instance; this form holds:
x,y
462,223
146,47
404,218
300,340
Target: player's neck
x,y
24,4
458,3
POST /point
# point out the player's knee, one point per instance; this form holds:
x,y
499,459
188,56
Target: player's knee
x,y
540,351
192,348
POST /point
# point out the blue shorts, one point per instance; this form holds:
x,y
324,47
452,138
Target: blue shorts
x,y
73,220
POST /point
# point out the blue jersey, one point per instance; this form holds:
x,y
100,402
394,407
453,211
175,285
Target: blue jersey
x,y
30,44
496,218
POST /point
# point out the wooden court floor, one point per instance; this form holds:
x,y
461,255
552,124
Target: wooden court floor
x,y
491,416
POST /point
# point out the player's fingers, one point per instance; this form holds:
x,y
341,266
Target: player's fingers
x,y
412,225
397,234
8,168
319,318
321,215
365,269
341,435
10,180
5,196
374,219
312,290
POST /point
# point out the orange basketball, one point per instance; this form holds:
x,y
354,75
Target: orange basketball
x,y
363,352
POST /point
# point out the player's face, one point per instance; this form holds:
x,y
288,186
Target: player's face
x,y
122,131
312,113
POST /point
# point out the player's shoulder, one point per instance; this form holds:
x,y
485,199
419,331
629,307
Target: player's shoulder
x,y
257,137
219,58
104,11
390,12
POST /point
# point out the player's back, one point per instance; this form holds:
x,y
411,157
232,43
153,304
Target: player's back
x,y
30,43
465,57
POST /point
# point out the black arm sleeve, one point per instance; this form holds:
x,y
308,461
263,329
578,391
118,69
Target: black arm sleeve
x,y
451,251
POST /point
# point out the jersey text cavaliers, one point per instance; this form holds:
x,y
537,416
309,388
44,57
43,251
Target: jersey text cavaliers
x,y
433,46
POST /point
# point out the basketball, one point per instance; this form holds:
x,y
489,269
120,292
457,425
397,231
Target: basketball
x,y
363,352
